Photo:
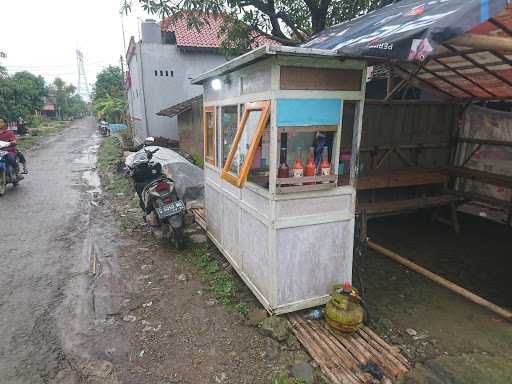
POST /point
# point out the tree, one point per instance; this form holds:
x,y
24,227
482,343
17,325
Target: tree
x,y
109,99
29,93
21,95
109,81
68,103
113,109
290,22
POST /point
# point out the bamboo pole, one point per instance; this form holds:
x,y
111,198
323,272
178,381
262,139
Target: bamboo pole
x,y
442,281
486,42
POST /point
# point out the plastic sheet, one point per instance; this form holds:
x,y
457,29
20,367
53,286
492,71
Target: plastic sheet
x,y
188,178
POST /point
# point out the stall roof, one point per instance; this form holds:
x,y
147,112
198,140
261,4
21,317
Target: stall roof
x,y
179,108
461,48
259,54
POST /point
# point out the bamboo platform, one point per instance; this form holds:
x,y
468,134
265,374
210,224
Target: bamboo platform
x,y
349,359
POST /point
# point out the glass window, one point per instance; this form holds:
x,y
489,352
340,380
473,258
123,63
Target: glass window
x,y
209,135
229,125
248,140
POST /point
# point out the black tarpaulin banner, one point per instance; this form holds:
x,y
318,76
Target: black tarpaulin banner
x,y
409,30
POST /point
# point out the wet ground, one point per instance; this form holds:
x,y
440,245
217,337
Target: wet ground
x,y
58,288
87,295
451,339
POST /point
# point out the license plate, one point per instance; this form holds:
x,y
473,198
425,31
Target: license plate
x,y
170,209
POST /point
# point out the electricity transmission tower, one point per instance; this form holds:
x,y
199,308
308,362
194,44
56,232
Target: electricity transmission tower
x,y
82,85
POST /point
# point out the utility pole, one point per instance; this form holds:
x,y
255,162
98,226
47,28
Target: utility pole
x,y
82,78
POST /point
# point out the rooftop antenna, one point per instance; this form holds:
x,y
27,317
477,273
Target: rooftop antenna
x,y
82,85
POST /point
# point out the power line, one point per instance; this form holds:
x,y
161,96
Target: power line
x,y
35,67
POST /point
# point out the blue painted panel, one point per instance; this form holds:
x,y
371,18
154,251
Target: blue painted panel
x,y
305,112
484,10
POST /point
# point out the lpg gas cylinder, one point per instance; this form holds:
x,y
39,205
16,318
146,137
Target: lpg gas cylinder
x,y
344,312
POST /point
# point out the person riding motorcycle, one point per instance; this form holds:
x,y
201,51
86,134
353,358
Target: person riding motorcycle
x,y
10,137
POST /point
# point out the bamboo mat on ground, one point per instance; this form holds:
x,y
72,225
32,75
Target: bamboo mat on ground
x,y
349,359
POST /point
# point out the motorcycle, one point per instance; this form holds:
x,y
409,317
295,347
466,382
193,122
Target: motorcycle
x,y
7,172
163,210
104,129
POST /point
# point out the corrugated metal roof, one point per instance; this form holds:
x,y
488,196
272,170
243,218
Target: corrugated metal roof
x,y
461,48
177,109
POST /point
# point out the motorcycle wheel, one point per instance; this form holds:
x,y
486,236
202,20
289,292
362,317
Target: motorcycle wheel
x,y
3,183
178,237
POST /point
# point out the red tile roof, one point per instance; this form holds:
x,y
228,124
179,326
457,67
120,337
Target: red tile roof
x,y
208,37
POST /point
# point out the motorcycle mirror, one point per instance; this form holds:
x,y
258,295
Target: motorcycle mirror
x,y
149,141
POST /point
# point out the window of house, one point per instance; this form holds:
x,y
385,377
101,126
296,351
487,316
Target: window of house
x,y
161,73
246,153
172,73
156,72
209,135
167,73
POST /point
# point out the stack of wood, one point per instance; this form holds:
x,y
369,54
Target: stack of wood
x,y
359,358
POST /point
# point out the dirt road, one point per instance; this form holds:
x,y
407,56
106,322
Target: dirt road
x,y
53,308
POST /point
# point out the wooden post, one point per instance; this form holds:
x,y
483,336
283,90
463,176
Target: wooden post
x,y
442,281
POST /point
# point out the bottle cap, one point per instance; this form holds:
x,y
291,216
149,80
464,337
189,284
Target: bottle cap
x,y
347,287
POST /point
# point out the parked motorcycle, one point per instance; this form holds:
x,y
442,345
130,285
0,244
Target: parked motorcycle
x,y
158,199
7,172
104,129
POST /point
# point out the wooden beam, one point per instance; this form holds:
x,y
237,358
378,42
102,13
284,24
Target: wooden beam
x,y
498,143
481,176
460,74
472,40
442,281
481,66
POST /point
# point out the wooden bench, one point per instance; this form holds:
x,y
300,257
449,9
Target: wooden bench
x,y
407,177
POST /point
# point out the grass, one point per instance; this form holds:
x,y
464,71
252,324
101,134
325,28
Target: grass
x,y
222,283
45,130
110,154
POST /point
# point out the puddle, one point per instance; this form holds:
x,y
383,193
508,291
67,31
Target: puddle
x,y
92,179
86,165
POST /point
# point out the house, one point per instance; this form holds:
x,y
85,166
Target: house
x,y
161,66
48,111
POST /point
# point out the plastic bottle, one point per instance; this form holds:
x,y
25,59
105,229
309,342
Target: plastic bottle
x,y
315,314
310,165
325,166
284,170
298,168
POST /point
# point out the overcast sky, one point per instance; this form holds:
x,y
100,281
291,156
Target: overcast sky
x,y
42,36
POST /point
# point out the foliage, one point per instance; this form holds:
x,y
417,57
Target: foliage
x,y
109,82
43,131
113,109
109,100
287,21
21,94
69,104
110,154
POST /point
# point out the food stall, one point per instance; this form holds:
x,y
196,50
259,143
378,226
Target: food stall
x,y
273,120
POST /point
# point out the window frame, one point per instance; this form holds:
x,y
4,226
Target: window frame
x,y
210,160
264,107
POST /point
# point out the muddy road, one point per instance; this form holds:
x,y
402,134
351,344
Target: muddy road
x,y
57,289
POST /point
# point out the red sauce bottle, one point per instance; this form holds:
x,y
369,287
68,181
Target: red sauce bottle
x,y
298,168
310,165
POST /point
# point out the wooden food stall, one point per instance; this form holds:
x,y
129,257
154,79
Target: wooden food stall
x,y
273,120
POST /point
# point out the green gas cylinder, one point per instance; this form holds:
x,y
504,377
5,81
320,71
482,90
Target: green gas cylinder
x,y
344,312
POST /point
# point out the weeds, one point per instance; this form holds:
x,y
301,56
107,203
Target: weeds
x,y
110,154
220,282
42,132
